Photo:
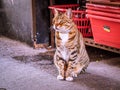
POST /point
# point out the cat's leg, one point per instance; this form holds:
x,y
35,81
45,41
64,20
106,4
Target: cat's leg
x,y
69,72
77,69
73,70
61,69
60,64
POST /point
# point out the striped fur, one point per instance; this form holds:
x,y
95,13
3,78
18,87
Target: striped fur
x,y
70,57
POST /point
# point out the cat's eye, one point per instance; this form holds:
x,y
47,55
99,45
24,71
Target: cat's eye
x,y
72,67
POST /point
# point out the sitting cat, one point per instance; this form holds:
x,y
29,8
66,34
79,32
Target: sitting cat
x,y
70,56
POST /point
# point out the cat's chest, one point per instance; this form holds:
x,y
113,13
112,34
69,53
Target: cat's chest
x,y
64,37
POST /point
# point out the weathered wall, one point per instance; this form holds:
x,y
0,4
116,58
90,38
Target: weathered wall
x,y
17,19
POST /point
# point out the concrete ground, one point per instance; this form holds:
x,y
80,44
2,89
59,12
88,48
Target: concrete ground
x,y
34,74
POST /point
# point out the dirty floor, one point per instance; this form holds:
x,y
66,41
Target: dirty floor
x,y
25,68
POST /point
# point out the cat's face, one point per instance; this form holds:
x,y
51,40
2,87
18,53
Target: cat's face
x,y
62,21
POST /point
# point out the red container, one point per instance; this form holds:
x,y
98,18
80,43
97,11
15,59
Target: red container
x,y
106,14
79,17
106,30
103,8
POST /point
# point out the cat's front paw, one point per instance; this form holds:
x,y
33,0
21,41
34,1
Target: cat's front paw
x,y
69,79
59,77
74,74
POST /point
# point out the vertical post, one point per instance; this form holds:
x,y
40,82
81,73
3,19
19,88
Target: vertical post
x,y
52,31
34,21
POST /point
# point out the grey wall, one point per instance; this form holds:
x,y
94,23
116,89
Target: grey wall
x,y
17,19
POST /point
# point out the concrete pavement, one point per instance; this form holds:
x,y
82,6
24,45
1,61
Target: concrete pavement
x,y
17,75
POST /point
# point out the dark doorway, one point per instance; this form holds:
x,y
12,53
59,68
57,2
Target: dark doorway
x,y
41,21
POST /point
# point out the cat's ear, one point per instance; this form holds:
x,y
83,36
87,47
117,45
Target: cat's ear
x,y
55,12
69,13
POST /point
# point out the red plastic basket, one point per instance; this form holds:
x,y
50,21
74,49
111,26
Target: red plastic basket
x,y
79,17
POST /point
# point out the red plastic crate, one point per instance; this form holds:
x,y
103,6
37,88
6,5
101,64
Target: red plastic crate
x,y
106,14
103,8
106,30
79,17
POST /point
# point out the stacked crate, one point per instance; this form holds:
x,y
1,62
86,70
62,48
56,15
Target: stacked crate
x,y
105,23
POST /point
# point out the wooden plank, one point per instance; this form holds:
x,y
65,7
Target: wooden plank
x,y
52,39
34,20
90,42
52,35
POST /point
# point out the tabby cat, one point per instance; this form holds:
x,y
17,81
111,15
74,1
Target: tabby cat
x,y
70,56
